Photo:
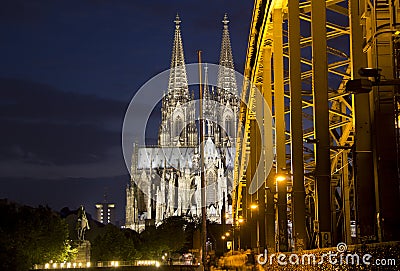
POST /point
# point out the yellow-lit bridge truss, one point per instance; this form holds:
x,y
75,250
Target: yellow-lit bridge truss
x,y
300,56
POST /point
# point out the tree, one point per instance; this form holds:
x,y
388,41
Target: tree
x,y
173,235
31,236
114,244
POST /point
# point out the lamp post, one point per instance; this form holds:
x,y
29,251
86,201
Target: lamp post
x,y
240,222
225,239
254,207
281,184
223,243
202,177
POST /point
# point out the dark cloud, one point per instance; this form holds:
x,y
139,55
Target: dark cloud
x,y
20,11
32,102
41,125
55,144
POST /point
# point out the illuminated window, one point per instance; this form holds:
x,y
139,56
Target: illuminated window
x,y
211,195
178,125
229,129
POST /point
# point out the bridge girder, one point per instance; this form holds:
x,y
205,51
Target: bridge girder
x,y
340,103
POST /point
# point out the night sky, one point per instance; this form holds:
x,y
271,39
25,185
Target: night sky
x,y
68,70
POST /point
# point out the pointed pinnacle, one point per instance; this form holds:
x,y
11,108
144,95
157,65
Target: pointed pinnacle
x,y
225,21
177,21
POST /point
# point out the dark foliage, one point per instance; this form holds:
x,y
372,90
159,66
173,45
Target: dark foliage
x,y
174,235
115,244
30,236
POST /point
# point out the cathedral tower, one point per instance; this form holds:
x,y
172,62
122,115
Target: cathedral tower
x,y
227,93
178,116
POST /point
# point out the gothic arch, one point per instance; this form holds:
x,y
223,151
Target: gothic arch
x,y
229,123
211,188
178,122
178,125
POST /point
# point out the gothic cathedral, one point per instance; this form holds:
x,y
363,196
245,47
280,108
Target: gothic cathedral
x,y
165,179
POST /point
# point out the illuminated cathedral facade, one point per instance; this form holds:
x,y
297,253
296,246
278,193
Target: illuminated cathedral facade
x,y
165,179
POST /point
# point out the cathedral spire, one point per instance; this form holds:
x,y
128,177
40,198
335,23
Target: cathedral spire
x,y
207,104
178,85
206,94
226,74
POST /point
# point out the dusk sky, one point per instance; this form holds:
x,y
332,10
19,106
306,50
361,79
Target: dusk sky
x,y
68,70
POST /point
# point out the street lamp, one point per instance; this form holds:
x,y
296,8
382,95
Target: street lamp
x,y
254,206
281,187
223,243
240,221
363,85
229,241
280,178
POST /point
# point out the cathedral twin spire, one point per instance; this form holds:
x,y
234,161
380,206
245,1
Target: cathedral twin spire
x,y
178,84
226,74
178,126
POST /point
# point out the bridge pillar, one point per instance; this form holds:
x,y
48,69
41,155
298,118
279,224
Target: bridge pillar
x,y
280,128
296,127
323,214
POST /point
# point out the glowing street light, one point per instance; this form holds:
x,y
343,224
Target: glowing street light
x,y
253,206
280,178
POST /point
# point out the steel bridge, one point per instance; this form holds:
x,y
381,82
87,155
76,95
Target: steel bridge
x,y
318,146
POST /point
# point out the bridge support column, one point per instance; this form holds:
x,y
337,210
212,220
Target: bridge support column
x,y
363,167
280,128
323,227
268,151
296,125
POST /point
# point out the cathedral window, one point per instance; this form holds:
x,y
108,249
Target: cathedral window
x,y
229,129
211,191
178,125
